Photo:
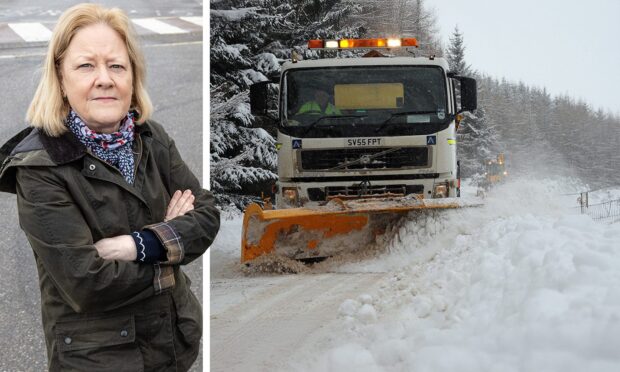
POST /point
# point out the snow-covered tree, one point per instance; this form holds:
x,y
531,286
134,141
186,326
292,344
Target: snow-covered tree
x,y
249,41
544,136
402,18
477,138
456,54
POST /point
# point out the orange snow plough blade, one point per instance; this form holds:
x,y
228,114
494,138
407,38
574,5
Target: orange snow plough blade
x,y
304,233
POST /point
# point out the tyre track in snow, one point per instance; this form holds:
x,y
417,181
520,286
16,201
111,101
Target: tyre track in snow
x,y
257,333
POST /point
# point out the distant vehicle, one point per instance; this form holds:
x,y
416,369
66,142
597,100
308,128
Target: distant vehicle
x,y
495,170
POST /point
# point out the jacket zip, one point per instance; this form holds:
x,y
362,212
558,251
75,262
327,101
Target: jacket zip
x,y
135,169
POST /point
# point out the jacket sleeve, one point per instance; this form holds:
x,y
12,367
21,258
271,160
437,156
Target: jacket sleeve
x,y
63,244
187,237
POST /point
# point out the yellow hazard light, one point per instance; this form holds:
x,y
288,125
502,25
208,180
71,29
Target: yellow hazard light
x,y
362,43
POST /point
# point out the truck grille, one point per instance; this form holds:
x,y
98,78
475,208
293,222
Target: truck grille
x,y
357,191
364,158
361,190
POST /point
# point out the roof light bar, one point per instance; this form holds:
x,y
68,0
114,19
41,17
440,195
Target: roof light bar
x,y
362,43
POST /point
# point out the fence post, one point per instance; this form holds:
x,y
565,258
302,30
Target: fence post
x,y
583,200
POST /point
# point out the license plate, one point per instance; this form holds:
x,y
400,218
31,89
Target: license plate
x,y
356,142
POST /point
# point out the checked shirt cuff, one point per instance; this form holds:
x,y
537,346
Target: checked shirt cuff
x,y
163,278
170,240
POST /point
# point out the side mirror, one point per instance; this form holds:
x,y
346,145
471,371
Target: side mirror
x,y
469,93
258,98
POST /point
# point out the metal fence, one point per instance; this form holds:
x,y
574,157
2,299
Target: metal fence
x,y
608,211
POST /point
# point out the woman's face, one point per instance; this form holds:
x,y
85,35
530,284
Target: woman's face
x,y
96,77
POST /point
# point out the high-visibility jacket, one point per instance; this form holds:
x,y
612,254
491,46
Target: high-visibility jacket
x,y
313,107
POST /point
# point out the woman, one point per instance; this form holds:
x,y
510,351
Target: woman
x,y
108,206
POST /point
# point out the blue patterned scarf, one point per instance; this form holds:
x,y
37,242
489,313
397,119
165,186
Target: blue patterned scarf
x,y
113,148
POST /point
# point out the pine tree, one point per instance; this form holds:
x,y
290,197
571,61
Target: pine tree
x,y
456,54
477,139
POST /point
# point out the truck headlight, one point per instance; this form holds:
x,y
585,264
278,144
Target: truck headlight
x,y
290,195
440,190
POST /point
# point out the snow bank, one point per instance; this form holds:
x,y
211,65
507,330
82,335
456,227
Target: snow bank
x,y
226,249
521,284
603,195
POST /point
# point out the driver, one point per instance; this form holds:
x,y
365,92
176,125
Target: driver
x,y
320,105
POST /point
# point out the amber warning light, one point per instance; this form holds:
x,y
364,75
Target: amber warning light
x,y
362,43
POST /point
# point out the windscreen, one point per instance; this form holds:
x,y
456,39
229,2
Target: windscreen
x,y
347,101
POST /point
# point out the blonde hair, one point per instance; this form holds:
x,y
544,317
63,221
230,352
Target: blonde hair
x,y
48,108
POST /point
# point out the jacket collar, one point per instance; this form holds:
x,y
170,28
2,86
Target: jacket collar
x,y
59,150
11,145
62,150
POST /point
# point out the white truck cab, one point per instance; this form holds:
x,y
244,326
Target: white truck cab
x,y
367,127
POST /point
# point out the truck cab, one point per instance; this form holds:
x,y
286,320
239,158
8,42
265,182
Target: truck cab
x,y
367,127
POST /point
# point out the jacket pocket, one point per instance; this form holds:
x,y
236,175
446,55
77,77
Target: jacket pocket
x,y
101,344
188,316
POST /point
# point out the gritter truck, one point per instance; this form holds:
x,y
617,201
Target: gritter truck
x,y
358,137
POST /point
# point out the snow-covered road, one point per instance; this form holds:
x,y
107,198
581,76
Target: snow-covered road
x,y
521,284
285,315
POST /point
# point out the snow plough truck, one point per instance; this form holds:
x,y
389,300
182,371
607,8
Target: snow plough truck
x,y
495,171
361,142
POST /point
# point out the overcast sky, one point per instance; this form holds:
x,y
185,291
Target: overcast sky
x,y
566,46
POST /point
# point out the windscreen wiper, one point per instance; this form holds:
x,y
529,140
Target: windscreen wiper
x,y
402,113
314,123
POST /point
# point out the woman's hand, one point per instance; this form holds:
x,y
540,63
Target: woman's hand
x,y
181,203
120,248
123,247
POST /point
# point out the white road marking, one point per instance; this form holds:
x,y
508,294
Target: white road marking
x,y
26,55
12,56
31,31
158,26
172,44
194,20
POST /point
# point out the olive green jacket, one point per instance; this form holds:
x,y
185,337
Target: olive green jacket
x,y
105,315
